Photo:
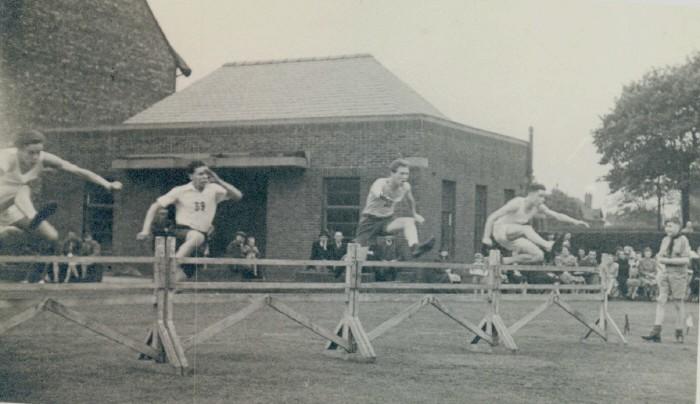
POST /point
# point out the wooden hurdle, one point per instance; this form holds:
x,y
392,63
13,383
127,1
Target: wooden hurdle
x,y
164,345
28,310
554,298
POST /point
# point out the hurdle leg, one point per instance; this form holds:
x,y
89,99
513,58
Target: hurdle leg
x,y
616,328
22,317
350,328
482,326
501,331
306,322
578,316
461,321
98,328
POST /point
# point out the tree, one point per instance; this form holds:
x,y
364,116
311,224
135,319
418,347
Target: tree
x,y
650,138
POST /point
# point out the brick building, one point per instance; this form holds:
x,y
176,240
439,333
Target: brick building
x,y
80,63
304,140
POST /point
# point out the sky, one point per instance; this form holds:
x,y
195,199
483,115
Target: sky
x,y
555,65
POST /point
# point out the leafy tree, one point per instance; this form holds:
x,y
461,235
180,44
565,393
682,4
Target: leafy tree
x,y
650,138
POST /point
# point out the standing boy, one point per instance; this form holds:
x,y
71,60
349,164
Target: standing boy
x,y
672,277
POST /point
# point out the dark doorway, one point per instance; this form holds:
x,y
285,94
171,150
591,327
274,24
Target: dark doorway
x,y
249,214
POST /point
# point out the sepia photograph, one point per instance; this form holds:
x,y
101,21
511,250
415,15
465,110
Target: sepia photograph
x,y
349,201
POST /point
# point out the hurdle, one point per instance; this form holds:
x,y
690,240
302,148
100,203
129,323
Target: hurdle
x,y
493,325
163,344
27,311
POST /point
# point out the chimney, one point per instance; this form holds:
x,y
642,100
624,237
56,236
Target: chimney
x,y
588,200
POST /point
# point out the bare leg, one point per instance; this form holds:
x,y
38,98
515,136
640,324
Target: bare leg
x,y
48,233
192,241
408,226
524,252
514,231
23,201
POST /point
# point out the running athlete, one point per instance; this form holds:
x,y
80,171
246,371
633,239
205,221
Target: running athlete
x,y
195,207
510,226
19,166
378,218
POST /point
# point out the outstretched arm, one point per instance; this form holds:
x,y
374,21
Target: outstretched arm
x,y
54,161
148,221
562,217
231,192
509,207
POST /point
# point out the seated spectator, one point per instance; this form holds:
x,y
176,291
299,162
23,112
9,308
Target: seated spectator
x,y
339,248
90,272
623,271
565,259
549,255
71,247
234,249
580,255
566,242
644,276
251,252
320,249
590,260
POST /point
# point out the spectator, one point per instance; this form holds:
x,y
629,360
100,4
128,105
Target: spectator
x,y
234,249
590,260
320,249
695,277
565,259
580,255
251,252
674,257
71,247
645,275
162,224
478,272
566,242
623,271
549,255
91,272
611,270
338,250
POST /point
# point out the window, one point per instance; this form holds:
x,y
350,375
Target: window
x,y
480,213
447,228
341,205
508,194
98,214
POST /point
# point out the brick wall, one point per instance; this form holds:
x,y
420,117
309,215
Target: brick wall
x,y
469,160
78,63
294,196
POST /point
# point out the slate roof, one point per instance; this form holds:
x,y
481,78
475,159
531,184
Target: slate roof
x,y
344,86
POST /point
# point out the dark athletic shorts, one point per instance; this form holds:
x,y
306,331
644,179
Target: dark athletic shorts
x,y
371,227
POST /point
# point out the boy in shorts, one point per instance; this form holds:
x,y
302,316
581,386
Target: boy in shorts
x,y
378,218
195,208
672,277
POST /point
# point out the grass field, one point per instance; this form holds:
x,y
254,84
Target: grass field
x,y
427,359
